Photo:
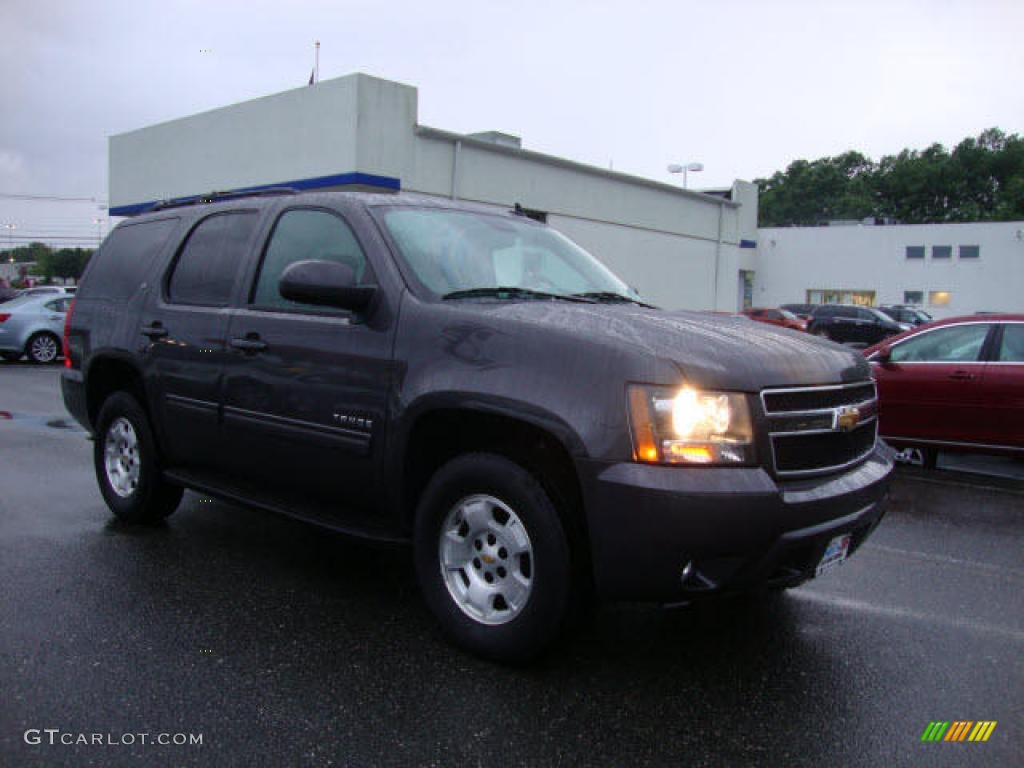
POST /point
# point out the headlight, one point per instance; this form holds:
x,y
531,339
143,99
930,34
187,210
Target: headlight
x,y
690,426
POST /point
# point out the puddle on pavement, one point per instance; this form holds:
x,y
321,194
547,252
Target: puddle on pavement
x,y
41,420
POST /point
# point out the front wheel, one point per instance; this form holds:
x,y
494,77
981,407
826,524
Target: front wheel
x,y
127,463
492,557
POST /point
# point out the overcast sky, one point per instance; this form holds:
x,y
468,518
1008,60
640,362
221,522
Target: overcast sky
x,y
744,86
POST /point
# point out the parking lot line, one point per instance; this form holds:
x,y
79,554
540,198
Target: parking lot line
x,y
892,611
946,560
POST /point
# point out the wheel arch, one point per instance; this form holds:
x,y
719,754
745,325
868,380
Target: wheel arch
x,y
540,442
108,373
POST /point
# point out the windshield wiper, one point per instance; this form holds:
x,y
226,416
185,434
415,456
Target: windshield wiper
x,y
511,292
611,297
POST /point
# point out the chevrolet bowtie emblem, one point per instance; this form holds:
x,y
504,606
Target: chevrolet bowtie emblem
x,y
847,417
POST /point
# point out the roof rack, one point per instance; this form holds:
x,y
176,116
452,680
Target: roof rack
x,y
216,197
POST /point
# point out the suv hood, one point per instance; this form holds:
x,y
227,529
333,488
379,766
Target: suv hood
x,y
711,351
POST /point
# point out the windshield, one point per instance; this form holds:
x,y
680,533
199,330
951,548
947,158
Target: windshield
x,y
452,251
879,314
788,315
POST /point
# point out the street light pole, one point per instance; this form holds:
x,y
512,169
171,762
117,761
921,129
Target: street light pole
x,y
684,169
10,246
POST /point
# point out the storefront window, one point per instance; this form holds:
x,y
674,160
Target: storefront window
x,y
840,296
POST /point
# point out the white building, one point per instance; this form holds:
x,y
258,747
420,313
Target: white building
x,y
947,269
679,248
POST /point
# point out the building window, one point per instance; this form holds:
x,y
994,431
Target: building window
x,y
938,298
913,297
942,251
915,251
970,251
840,296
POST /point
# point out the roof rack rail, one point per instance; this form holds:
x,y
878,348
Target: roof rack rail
x,y
216,197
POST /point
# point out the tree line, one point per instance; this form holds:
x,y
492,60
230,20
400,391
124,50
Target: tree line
x,y
981,179
66,263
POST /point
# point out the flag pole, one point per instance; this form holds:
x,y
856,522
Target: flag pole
x,y
316,66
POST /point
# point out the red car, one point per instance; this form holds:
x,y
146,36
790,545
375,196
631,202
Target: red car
x,y
781,317
955,384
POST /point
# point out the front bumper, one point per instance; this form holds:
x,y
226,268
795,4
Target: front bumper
x,y
737,528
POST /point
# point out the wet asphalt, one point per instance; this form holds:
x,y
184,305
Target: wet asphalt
x,y
285,645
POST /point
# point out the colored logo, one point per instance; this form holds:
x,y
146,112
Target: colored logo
x,y
959,730
847,417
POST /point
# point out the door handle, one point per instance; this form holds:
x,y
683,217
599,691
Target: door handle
x,y
249,344
961,376
154,331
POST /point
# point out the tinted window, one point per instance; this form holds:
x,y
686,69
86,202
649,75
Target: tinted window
x,y
1011,349
846,312
121,264
205,270
955,343
300,236
58,305
773,314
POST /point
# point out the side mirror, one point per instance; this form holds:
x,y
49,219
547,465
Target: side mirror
x,y
325,283
883,354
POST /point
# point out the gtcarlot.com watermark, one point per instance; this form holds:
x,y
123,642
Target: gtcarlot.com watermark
x,y
55,736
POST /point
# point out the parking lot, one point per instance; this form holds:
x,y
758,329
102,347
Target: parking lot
x,y
284,645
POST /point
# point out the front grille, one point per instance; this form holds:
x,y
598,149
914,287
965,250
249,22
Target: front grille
x,y
816,398
799,453
812,430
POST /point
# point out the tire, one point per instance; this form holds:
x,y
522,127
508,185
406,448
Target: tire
x,y
822,332
11,357
141,495
43,348
486,503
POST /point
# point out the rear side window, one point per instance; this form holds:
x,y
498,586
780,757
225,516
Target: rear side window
x,y
302,235
204,272
1011,349
121,265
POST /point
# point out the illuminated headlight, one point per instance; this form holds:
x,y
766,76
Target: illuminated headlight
x,y
690,426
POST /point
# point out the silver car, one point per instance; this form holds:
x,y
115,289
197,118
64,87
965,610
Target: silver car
x,y
33,326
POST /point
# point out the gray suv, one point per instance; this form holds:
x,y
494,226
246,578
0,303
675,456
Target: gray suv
x,y
468,381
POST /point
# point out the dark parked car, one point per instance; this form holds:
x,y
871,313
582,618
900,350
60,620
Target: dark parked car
x,y
781,317
803,311
955,384
909,316
847,323
420,370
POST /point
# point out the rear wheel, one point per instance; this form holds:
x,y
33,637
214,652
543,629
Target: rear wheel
x,y
492,557
43,348
127,463
822,332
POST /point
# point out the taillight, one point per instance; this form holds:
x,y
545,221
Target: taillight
x,y
4,316
67,329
